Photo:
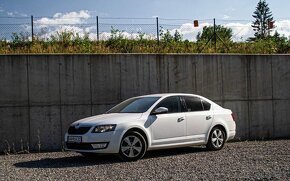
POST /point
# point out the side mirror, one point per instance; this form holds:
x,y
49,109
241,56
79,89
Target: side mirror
x,y
160,110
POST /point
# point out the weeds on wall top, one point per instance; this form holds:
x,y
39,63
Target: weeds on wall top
x,y
70,42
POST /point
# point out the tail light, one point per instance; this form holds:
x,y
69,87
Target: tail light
x,y
233,116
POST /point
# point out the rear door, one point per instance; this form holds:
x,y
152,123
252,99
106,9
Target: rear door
x,y
199,117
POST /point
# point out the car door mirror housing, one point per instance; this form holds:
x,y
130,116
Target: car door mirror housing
x,y
160,110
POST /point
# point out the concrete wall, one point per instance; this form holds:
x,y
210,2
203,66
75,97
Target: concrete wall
x,y
40,95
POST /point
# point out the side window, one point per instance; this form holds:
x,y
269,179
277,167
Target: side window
x,y
193,104
171,103
206,105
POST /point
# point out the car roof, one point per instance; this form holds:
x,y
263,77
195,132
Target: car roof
x,y
169,94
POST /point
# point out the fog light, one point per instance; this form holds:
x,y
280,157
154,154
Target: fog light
x,y
99,145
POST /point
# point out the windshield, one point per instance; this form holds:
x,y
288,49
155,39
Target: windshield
x,y
134,105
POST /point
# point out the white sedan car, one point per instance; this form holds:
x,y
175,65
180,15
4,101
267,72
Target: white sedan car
x,y
151,122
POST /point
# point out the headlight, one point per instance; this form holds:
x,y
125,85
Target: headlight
x,y
104,128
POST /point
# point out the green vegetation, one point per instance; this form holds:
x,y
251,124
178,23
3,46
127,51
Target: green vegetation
x,y
208,31
68,42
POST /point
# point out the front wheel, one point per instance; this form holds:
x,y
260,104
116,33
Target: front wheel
x,y
216,139
133,146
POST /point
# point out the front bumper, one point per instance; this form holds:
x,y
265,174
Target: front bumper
x,y
90,141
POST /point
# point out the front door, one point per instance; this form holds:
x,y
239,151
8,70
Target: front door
x,y
170,127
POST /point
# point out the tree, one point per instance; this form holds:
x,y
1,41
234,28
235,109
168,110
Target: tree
x,y
208,31
167,37
263,18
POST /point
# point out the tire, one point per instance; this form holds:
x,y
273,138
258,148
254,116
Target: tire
x,y
216,139
132,147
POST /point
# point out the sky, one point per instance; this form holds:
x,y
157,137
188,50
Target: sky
x,y
234,13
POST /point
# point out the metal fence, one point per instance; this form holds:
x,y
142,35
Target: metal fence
x,y
102,28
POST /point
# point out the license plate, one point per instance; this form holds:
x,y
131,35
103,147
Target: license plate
x,y
74,139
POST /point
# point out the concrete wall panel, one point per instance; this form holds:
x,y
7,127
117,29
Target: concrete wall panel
x,y
182,74
44,79
105,79
14,127
281,77
208,76
75,79
13,81
134,76
234,77
261,120
260,77
45,127
282,119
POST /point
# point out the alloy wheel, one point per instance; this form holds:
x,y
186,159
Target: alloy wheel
x,y
131,146
217,138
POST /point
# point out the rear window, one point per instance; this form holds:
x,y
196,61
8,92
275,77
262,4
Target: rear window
x,y
206,105
196,104
193,104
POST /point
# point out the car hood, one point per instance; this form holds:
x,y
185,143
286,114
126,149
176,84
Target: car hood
x,y
112,118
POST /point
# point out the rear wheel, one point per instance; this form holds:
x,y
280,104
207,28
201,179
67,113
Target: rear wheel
x,y
133,146
216,139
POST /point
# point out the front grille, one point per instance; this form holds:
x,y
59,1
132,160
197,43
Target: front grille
x,y
80,130
79,146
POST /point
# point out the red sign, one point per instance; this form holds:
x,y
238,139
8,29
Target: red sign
x,y
195,23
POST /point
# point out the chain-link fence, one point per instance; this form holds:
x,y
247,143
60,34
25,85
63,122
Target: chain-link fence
x,y
102,28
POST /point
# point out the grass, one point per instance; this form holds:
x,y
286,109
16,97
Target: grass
x,y
68,42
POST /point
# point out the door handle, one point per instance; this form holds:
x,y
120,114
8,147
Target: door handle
x,y
180,119
208,117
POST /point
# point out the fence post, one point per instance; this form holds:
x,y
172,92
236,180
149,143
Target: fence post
x,y
215,35
32,33
157,24
97,18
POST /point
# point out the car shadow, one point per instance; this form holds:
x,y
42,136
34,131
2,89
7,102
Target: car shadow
x,y
80,161
173,152
71,161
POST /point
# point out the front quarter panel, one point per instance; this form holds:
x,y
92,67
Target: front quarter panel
x,y
125,127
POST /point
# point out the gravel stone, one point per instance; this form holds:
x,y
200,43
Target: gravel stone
x,y
250,160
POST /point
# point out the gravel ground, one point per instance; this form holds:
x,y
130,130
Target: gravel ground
x,y
253,160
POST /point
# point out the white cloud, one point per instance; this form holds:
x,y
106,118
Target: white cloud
x,y
66,28
241,32
283,27
66,18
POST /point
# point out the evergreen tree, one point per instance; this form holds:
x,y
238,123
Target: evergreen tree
x,y
262,16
